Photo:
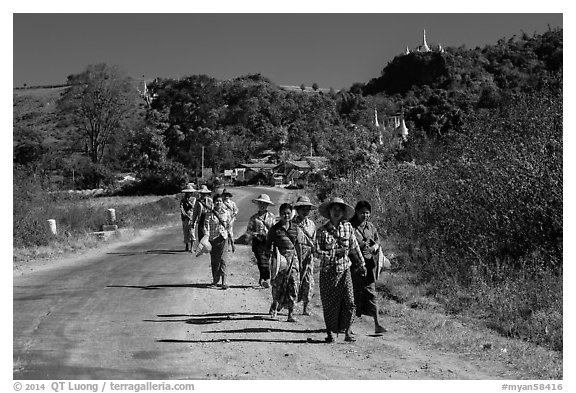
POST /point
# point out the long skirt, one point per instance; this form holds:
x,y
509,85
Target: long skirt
x,y
259,250
201,220
365,291
285,286
306,290
337,295
218,257
187,230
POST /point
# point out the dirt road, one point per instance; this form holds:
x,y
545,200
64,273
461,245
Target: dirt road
x,y
143,310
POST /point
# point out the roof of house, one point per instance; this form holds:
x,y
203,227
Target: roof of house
x,y
258,166
295,174
300,164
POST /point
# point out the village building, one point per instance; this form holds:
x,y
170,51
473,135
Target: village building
x,y
297,172
263,171
267,156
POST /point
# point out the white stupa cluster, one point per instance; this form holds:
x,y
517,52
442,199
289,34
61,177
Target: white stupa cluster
x,y
424,47
393,126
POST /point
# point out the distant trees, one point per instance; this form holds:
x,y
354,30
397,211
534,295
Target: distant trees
x,y
233,120
28,146
99,103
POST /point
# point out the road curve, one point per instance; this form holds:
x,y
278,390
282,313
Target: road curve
x,y
143,310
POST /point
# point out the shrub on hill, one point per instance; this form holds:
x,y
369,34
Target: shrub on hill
x,y
483,221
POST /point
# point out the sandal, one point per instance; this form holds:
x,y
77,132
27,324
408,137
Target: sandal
x,y
329,339
272,313
349,339
380,329
292,319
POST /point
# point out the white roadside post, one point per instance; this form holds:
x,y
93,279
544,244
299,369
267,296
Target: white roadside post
x,y
111,216
52,226
111,221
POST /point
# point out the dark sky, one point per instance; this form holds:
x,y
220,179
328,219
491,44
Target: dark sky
x,y
333,50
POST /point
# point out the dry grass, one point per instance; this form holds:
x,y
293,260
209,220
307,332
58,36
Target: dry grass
x,y
119,201
425,318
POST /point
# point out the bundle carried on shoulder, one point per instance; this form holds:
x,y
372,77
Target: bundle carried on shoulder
x,y
382,263
204,246
278,262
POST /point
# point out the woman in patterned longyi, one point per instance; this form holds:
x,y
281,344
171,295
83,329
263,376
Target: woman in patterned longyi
x,y
284,236
365,286
338,250
217,226
257,230
306,249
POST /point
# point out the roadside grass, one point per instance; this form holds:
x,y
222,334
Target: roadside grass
x,y
121,201
77,220
430,321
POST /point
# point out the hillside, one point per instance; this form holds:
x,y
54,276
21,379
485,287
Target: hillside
x,y
37,129
239,118
517,63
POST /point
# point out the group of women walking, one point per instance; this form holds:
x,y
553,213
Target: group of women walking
x,y
214,218
285,248
345,245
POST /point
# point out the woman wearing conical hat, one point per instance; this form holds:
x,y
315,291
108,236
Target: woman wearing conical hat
x,y
257,230
232,208
203,205
186,214
217,226
338,250
303,206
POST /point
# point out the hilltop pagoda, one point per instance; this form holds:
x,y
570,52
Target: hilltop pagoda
x,y
424,47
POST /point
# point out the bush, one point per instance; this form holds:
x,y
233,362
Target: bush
x,y
93,175
169,179
75,215
483,223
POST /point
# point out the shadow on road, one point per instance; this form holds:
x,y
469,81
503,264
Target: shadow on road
x,y
207,319
211,318
162,286
196,285
148,252
215,314
266,330
232,340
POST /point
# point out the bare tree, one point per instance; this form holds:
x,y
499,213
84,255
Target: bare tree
x,y
99,102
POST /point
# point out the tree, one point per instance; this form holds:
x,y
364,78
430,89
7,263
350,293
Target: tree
x,y
302,87
99,103
28,146
315,86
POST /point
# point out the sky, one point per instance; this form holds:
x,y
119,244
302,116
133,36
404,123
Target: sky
x,y
333,50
